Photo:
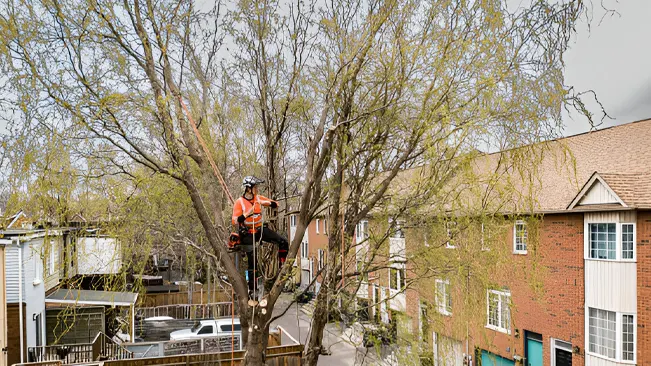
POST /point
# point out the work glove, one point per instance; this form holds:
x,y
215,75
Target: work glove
x,y
274,204
241,219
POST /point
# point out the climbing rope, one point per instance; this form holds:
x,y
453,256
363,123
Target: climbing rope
x,y
230,198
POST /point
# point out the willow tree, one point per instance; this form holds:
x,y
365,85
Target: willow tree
x,y
363,89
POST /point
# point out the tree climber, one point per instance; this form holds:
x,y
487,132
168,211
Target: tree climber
x,y
247,215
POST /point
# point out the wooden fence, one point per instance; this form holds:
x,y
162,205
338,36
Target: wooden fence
x,y
276,356
174,298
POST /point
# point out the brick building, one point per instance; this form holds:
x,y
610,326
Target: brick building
x,y
567,287
312,254
572,290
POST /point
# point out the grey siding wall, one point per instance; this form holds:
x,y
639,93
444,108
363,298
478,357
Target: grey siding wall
x,y
11,257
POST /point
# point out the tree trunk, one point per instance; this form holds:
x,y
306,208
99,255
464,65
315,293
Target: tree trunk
x,y
319,320
257,340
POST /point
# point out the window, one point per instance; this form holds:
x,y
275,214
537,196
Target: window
x,y
603,241
422,319
228,327
450,227
602,336
321,258
304,250
361,233
397,228
499,311
520,237
38,268
325,227
206,330
603,339
628,241
443,298
628,338
292,221
50,258
397,278
317,225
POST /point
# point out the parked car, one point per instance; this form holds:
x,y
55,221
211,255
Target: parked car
x,y
208,329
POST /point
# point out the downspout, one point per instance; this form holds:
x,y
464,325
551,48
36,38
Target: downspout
x,y
20,299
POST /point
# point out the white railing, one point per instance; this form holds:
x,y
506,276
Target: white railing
x,y
187,311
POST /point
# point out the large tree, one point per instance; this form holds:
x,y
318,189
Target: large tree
x,y
349,92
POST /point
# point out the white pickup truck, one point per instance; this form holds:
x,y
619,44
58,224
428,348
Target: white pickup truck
x,y
208,329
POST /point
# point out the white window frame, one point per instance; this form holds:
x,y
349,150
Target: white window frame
x,y
401,271
621,242
292,221
448,231
443,298
515,235
305,250
50,259
37,262
618,337
501,294
317,225
422,307
483,238
361,232
559,344
618,242
320,258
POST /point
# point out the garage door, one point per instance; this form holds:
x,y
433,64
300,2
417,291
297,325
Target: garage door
x,y
447,351
491,359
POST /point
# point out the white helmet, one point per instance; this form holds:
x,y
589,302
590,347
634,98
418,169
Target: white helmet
x,y
250,181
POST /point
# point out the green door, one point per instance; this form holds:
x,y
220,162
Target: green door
x,y
534,350
491,359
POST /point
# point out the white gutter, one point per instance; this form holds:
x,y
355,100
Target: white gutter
x,y
20,299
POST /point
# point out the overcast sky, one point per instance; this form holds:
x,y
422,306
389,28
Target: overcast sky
x,y
613,59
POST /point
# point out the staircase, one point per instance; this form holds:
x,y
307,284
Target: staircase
x,y
308,309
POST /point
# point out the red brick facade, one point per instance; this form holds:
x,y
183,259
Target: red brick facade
x,y
643,288
558,313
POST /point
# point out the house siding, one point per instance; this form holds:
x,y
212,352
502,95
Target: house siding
x,y
12,282
34,289
97,255
33,292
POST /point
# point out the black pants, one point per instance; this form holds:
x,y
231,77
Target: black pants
x,y
266,235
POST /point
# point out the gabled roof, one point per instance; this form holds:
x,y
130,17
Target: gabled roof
x,y
596,182
633,189
621,154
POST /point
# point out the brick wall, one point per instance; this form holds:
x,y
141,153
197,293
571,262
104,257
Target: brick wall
x,y
556,310
643,288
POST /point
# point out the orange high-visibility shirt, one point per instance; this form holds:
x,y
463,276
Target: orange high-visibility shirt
x,y
242,206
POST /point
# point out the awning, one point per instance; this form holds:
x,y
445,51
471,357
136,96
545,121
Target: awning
x,y
90,297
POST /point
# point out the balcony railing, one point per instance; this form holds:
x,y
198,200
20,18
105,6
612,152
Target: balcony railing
x,y
187,311
102,348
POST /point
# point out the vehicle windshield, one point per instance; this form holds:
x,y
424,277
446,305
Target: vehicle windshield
x,y
195,327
